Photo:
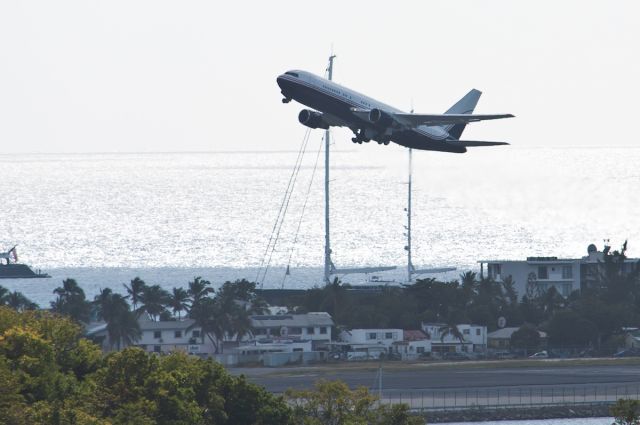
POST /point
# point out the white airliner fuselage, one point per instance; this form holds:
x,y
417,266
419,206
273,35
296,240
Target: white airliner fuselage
x,y
369,119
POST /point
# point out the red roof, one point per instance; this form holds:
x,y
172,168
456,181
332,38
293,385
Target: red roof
x,y
413,335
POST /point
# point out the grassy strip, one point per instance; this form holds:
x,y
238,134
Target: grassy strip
x,y
332,368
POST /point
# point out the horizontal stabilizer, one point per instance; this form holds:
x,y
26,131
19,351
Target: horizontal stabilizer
x,y
475,143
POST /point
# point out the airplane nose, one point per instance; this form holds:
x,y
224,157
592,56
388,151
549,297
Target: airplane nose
x,y
280,81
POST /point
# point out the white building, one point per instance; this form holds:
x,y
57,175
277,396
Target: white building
x,y
474,338
376,337
161,337
315,327
536,275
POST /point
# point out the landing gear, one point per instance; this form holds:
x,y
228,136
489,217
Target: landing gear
x,y
286,100
360,137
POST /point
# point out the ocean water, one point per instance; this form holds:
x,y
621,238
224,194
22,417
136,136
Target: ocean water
x,y
106,218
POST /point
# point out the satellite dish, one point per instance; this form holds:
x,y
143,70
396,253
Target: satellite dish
x,y
502,322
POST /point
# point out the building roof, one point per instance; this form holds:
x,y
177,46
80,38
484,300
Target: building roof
x,y
505,333
148,325
293,320
413,335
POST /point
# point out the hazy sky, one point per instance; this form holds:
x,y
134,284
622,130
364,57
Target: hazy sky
x,y
78,76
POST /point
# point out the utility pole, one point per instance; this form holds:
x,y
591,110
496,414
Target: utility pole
x,y
408,247
327,242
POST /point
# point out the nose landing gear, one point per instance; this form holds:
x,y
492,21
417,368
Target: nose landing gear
x,y
286,100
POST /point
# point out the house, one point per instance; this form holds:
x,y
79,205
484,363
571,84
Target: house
x,y
632,338
501,339
536,275
315,327
414,344
160,337
474,338
361,344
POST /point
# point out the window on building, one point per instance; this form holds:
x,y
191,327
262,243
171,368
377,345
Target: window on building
x,y
464,348
566,289
466,331
157,334
295,331
543,273
195,334
371,335
478,331
388,335
323,330
311,330
420,350
567,272
156,349
177,334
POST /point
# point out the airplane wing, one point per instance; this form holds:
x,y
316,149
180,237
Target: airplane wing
x,y
444,119
414,120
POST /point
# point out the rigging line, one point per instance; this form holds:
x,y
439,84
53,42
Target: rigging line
x,y
286,192
286,207
304,207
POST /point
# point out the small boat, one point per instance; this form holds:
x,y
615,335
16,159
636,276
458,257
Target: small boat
x,y
12,270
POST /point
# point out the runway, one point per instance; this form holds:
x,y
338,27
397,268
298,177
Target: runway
x,y
457,377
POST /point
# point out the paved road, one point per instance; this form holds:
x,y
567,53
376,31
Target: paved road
x,y
420,378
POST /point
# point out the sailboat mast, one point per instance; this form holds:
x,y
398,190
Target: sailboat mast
x,y
327,240
409,264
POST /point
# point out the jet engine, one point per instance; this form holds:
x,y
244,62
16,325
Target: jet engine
x,y
312,119
380,117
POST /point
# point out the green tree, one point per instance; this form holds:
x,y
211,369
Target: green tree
x,y
527,337
18,301
71,301
199,289
122,324
154,301
567,328
626,412
333,403
135,289
178,301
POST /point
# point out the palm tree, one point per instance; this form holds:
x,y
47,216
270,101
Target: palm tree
x,y
199,289
509,287
135,291
178,301
71,301
154,301
18,301
450,329
122,324
469,282
3,295
207,316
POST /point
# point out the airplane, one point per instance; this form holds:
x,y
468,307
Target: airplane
x,y
369,119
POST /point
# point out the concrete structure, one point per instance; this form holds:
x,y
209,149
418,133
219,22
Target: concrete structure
x,y
474,338
536,275
315,327
501,339
161,337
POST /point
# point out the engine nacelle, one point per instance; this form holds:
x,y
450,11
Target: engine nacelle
x,y
312,119
380,118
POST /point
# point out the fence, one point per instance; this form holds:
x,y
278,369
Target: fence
x,y
510,397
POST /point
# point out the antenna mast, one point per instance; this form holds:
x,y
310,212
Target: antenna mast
x,y
327,242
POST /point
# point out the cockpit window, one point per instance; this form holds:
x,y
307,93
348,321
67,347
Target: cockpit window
x,y
293,74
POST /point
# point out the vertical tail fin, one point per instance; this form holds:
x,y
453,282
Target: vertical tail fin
x,y
466,105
